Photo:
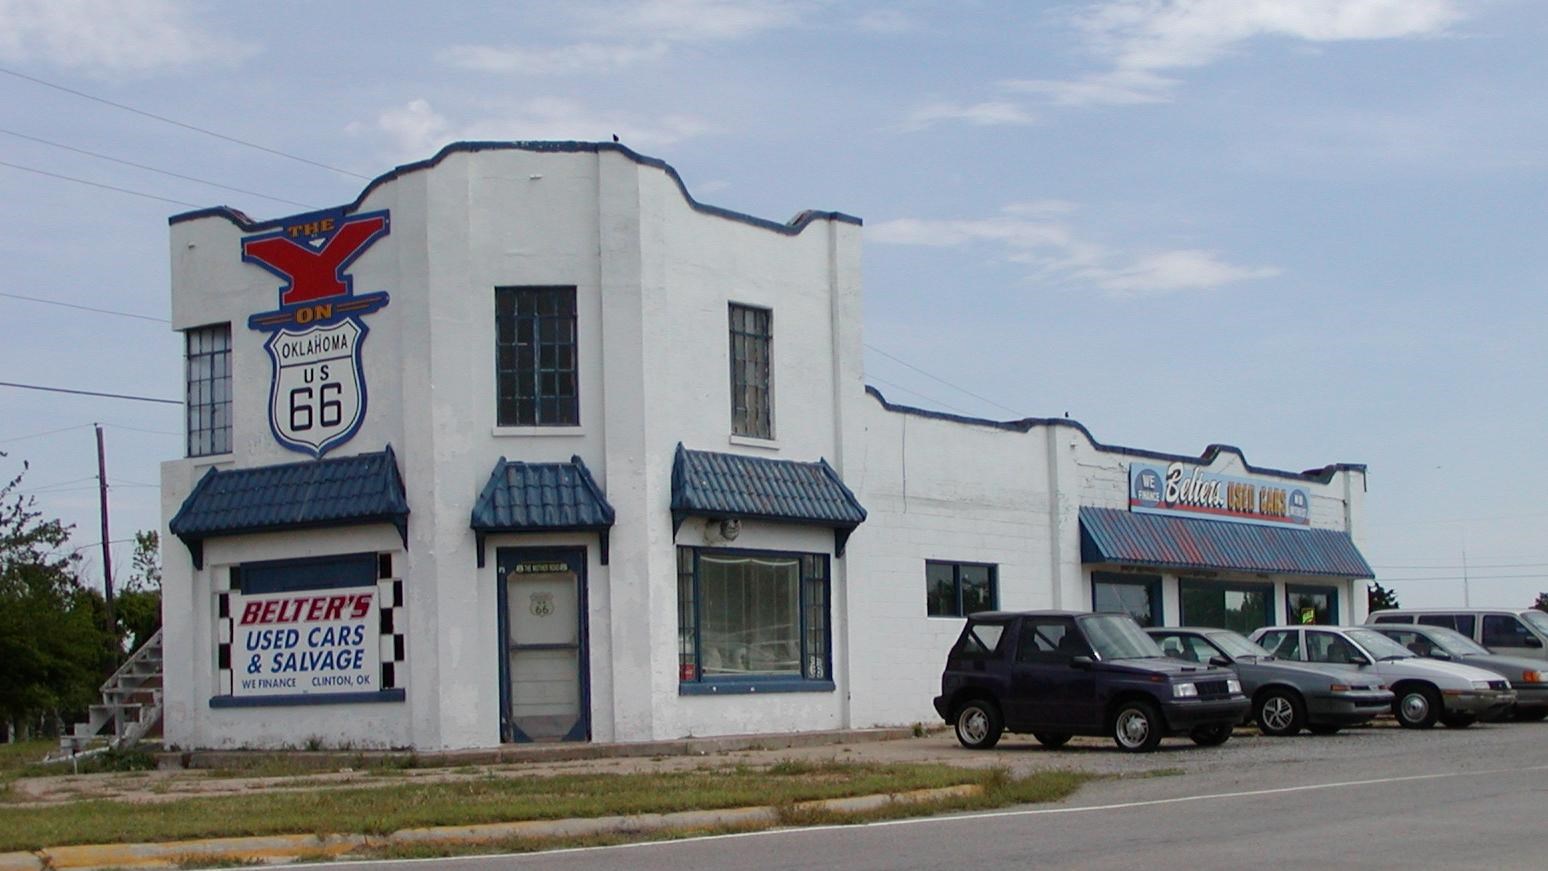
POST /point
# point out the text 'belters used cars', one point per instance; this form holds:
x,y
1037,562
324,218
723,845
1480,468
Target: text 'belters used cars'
x,y
1059,673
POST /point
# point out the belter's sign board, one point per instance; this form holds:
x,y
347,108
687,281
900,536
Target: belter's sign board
x,y
317,398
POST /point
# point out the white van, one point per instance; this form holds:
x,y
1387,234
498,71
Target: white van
x,y
1505,631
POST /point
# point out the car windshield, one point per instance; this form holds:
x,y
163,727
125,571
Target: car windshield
x,y
1235,646
1453,642
1117,636
1538,619
1379,645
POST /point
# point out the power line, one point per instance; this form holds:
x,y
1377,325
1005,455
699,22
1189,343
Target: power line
x,y
101,311
99,184
91,393
916,393
37,435
154,169
943,381
185,126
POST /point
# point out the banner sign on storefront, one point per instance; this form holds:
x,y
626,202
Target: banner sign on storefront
x,y
1191,491
305,642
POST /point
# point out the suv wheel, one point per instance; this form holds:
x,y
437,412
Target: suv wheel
x,y
1280,713
1052,740
1137,727
1416,707
978,724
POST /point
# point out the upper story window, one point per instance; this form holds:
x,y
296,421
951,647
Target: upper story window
x,y
208,398
535,357
752,408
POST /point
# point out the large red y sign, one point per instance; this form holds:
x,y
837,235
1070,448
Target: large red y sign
x,y
315,273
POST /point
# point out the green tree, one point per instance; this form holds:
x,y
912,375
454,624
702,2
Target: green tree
x,y
1542,602
53,650
1378,597
138,606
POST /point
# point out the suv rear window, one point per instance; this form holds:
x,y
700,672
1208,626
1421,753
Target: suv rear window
x,y
981,639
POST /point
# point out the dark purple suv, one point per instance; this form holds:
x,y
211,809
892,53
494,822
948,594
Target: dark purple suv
x,y
1061,673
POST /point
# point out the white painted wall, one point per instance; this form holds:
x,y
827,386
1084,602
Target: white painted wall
x,y
654,276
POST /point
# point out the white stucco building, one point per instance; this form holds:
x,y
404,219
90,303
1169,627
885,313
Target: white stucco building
x,y
527,444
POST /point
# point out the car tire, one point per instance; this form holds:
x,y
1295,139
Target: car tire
x,y
1458,721
978,724
1280,713
1137,727
1416,707
1323,729
1531,716
1052,740
1211,736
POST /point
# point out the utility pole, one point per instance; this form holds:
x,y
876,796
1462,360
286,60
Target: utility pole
x,y
107,549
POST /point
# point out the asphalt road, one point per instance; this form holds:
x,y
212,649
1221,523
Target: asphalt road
x,y
1374,798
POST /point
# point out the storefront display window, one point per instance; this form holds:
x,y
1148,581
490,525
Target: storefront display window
x,y
1139,596
1241,607
1311,605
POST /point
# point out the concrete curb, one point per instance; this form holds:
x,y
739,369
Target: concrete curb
x,y
517,753
289,848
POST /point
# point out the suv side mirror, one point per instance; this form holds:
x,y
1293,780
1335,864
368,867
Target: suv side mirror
x,y
1358,658
1081,662
1531,641
1220,662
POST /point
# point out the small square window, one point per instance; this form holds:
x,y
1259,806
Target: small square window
x,y
536,378
960,589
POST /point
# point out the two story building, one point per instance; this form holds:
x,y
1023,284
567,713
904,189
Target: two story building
x,y
528,444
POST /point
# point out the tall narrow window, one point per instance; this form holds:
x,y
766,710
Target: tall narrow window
x,y
752,411
208,399
535,351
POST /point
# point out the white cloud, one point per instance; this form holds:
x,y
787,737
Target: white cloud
x,y
564,60
632,33
994,113
1141,40
415,130
1030,235
110,37
691,20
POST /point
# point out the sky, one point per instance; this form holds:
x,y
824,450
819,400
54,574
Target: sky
x,y
1311,229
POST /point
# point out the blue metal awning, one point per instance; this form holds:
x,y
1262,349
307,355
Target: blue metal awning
x,y
541,497
339,491
709,484
1110,535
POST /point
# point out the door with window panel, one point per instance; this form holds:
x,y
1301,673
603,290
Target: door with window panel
x,y
542,616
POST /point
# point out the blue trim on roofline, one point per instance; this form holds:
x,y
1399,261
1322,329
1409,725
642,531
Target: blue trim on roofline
x,y
1211,452
791,228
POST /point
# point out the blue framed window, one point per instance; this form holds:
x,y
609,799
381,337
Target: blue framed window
x,y
1226,604
208,395
535,357
752,381
959,589
752,621
1139,596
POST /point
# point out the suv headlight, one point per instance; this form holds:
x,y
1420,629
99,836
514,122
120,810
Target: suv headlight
x,y
1233,686
1185,691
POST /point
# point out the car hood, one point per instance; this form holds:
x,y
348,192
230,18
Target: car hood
x,y
1330,670
1510,666
1448,675
1171,668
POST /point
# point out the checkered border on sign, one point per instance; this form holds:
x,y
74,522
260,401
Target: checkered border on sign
x,y
394,623
223,578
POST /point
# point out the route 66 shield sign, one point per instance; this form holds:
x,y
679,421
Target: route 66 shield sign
x,y
318,398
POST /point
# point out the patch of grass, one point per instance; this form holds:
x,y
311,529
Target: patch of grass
x,y
216,862
385,808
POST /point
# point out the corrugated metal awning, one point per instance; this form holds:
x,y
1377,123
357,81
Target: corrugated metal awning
x,y
1110,535
541,497
339,491
710,484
